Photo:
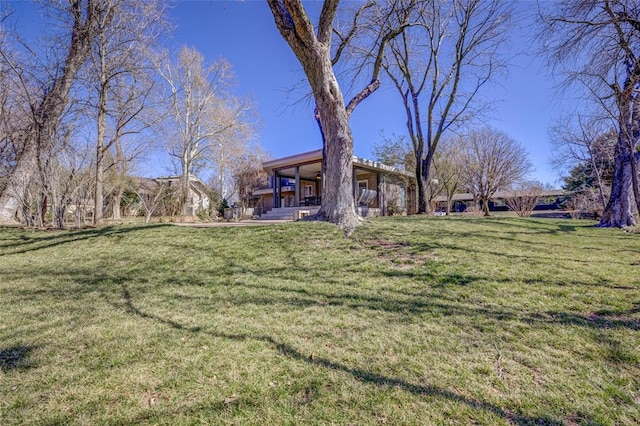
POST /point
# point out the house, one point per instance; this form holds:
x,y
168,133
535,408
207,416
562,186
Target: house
x,y
295,183
198,198
547,200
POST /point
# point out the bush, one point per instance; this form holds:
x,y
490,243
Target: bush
x,y
523,198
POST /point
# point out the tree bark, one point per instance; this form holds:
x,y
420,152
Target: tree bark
x,y
100,150
485,206
624,188
338,206
420,188
117,200
634,179
620,209
13,195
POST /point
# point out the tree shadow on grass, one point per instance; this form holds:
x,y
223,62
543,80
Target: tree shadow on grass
x,y
358,374
594,320
14,358
57,238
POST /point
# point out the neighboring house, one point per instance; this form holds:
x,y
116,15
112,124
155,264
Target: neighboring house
x,y
198,198
548,200
296,182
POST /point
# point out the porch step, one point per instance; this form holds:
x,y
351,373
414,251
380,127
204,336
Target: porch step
x,y
286,213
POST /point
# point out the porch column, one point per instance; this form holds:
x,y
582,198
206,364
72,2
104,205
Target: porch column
x,y
276,190
355,185
296,198
378,193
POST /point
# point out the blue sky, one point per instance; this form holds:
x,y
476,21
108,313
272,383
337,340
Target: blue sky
x,y
266,69
244,33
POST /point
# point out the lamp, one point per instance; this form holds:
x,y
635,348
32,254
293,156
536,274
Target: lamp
x,y
318,176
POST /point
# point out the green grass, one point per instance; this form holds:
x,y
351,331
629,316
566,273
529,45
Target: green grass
x,y
409,321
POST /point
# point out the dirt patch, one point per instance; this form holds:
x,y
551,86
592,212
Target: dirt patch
x,y
398,254
386,245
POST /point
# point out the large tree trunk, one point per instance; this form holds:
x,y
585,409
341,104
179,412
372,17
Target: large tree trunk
x,y
14,194
338,204
620,209
635,179
313,52
51,107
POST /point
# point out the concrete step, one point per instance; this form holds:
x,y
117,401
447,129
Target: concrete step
x,y
287,213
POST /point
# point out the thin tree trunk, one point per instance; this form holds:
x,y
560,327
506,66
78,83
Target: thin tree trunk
x,y
102,123
117,200
485,206
426,173
98,194
422,203
184,194
121,167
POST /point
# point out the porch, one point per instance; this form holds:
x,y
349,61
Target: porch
x,y
296,182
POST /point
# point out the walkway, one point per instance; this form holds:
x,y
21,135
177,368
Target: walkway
x,y
232,224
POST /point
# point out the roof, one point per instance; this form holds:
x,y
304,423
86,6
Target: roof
x,y
305,157
316,157
500,194
195,181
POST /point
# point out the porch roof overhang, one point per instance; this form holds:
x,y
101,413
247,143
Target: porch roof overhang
x,y
292,161
310,165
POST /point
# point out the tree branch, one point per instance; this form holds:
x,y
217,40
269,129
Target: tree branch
x,y
325,25
302,26
344,41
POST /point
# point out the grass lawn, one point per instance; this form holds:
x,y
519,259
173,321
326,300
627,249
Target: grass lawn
x,y
410,321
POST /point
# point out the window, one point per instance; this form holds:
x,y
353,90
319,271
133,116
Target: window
x,y
362,184
308,190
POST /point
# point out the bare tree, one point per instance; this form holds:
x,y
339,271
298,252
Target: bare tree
x,y
68,179
448,166
231,144
439,66
127,30
205,121
248,175
11,115
152,201
312,47
596,43
131,118
47,105
584,141
523,198
395,151
492,161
